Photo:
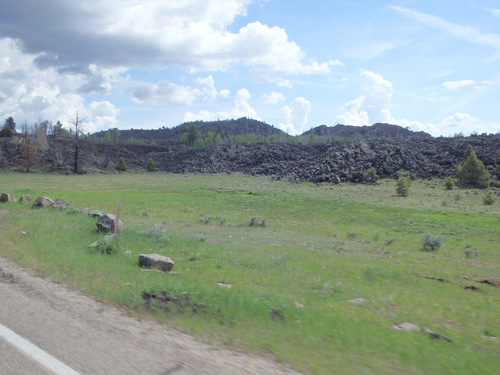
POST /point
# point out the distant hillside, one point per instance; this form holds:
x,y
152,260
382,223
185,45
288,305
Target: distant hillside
x,y
226,128
376,131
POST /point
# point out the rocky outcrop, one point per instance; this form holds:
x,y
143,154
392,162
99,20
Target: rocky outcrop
x,y
106,223
43,202
160,262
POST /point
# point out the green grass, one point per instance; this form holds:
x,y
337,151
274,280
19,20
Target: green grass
x,y
292,280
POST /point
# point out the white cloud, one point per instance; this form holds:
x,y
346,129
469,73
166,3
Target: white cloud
x,y
100,115
456,85
224,93
354,113
273,98
29,94
163,93
467,33
373,106
193,34
241,108
295,116
209,88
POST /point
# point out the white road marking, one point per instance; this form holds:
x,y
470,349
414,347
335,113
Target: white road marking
x,y
34,352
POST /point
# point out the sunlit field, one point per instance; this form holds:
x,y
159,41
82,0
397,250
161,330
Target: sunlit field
x,y
317,285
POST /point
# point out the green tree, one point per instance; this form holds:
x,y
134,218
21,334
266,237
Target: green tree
x,y
122,166
371,175
192,135
403,186
471,171
9,128
449,183
152,166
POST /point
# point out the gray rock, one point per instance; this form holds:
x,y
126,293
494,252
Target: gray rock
x,y
405,326
60,204
105,240
356,300
106,223
25,198
43,202
160,262
96,213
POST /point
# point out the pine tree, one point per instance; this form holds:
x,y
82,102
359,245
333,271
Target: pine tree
x,y
471,171
152,166
122,166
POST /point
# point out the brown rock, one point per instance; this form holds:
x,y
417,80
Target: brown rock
x,y
106,223
156,261
43,202
60,204
7,197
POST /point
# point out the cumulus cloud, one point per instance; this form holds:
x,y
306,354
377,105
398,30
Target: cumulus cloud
x,y
373,106
192,33
241,108
163,93
295,116
273,98
28,94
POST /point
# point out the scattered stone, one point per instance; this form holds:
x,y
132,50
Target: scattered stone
x,y
127,253
224,285
277,314
96,213
494,282
106,240
60,204
299,305
43,202
436,335
25,198
160,262
106,223
356,300
7,197
405,326
257,222
470,287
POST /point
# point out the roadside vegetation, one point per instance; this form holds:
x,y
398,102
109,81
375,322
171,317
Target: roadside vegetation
x,y
317,286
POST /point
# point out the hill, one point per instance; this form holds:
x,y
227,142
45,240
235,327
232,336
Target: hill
x,y
225,128
379,130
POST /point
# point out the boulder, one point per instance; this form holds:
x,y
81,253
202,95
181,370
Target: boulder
x,y
156,261
7,197
60,204
25,198
106,223
43,202
96,213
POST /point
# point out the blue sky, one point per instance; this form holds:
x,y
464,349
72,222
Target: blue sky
x,y
424,64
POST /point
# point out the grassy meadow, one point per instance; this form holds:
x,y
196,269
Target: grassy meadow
x,y
289,288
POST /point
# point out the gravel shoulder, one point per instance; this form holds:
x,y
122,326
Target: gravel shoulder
x,y
96,338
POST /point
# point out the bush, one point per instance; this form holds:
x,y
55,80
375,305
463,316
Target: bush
x,y
152,166
403,186
449,183
122,166
431,242
371,175
489,198
471,171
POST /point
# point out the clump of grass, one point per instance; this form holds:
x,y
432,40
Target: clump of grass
x,y
432,242
156,233
469,252
489,198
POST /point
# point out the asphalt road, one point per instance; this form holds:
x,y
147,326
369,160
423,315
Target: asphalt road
x,y
95,338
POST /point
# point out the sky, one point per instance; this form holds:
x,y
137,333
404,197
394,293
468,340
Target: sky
x,y
429,65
